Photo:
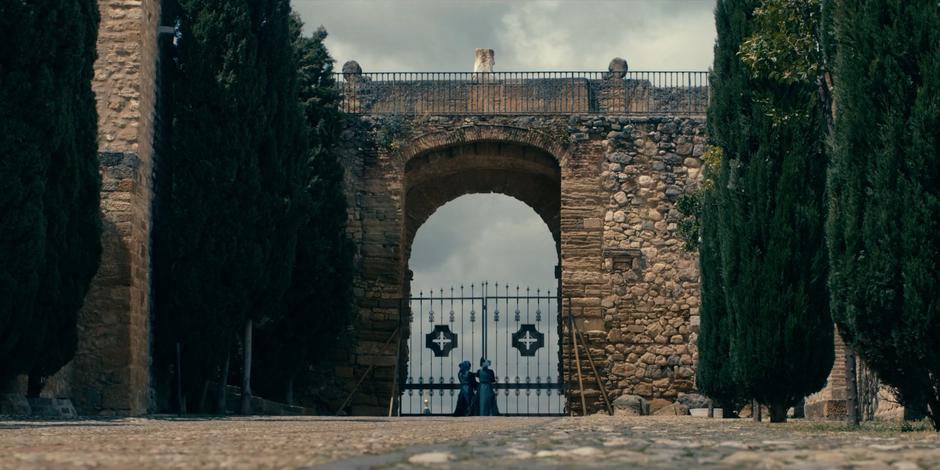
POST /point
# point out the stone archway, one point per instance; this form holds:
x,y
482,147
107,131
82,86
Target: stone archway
x,y
440,175
432,179
605,187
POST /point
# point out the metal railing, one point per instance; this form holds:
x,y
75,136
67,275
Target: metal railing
x,y
526,93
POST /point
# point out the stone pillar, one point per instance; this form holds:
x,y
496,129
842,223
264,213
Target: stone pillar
x,y
617,69
830,402
483,60
373,189
110,374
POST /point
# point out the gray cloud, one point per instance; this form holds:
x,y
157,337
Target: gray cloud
x,y
483,237
408,35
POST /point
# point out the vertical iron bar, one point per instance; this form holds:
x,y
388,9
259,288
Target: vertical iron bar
x,y
517,318
440,362
507,341
421,348
528,372
538,364
413,365
472,326
483,319
496,327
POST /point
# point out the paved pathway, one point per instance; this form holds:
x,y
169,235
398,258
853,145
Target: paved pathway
x,y
599,441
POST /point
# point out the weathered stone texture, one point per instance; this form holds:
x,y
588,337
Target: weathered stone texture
x,y
606,187
110,373
651,301
830,402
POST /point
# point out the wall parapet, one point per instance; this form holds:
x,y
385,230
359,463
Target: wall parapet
x,y
528,93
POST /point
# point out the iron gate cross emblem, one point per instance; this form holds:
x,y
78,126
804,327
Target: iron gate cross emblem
x,y
528,340
441,340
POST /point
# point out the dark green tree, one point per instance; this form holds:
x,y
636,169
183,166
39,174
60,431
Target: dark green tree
x,y
714,375
50,236
317,307
26,85
236,174
884,185
770,212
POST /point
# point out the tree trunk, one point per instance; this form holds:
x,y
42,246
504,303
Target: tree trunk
x,y
851,385
934,413
778,413
10,386
204,397
711,408
246,376
289,393
826,99
34,385
223,382
728,411
914,411
180,409
799,411
755,411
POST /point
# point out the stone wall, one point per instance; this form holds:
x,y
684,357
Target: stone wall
x,y
111,371
646,317
830,402
624,272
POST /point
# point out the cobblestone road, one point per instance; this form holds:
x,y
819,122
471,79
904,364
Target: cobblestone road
x,y
599,441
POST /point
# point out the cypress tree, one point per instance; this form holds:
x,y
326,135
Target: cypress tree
x,y
206,176
284,171
885,192
317,307
726,130
770,222
713,374
73,221
25,96
236,174
50,237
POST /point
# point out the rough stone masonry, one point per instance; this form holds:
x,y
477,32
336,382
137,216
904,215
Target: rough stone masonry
x,y
606,186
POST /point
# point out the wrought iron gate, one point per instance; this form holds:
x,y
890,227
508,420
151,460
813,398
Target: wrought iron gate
x,y
517,329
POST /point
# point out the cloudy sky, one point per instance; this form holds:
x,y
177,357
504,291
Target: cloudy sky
x,y
491,236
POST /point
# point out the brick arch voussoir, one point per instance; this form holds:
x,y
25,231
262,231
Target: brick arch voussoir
x,y
467,135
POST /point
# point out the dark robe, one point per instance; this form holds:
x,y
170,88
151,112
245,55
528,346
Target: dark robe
x,y
468,391
487,393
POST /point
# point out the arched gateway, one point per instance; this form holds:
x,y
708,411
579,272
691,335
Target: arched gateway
x,y
601,157
601,163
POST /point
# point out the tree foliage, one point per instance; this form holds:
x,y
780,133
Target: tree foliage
x,y
317,307
254,215
787,44
692,204
236,173
714,374
793,42
50,236
884,185
769,226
